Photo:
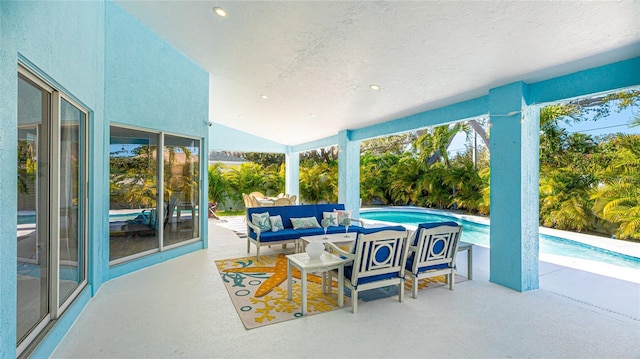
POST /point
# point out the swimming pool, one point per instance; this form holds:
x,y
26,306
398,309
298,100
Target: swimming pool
x,y
478,233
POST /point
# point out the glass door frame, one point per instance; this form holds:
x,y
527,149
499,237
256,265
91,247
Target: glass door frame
x,y
52,232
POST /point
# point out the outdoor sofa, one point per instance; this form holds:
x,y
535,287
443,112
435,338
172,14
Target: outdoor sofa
x,y
290,233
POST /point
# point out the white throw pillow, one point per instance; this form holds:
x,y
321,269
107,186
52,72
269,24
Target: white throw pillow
x,y
332,217
261,220
342,215
276,223
305,222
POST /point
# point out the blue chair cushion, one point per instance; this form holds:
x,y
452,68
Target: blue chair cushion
x,y
363,230
378,229
348,270
409,266
429,225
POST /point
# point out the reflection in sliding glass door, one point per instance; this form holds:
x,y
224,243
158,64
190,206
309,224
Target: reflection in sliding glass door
x,y
33,207
70,263
51,239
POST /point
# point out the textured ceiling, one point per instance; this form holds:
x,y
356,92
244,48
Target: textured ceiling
x,y
315,60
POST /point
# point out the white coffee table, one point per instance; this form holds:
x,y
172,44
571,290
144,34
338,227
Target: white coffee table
x,y
326,262
330,238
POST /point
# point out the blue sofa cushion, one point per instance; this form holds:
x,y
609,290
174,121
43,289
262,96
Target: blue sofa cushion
x,y
305,232
429,225
273,211
277,236
301,211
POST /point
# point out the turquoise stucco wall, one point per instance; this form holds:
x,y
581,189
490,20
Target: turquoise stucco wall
x,y
151,85
47,37
349,172
107,61
225,138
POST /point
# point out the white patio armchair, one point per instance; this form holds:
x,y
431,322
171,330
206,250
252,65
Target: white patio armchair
x,y
433,253
377,260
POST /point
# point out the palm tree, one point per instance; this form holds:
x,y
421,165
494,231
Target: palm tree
x,y
247,178
618,199
375,176
403,186
217,184
466,182
316,183
433,145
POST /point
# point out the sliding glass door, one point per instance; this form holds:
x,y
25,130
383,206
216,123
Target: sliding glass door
x,y
51,236
34,123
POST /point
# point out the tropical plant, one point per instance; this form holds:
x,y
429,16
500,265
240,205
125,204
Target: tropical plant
x,y
217,184
617,199
274,183
467,185
403,184
433,144
375,177
317,183
247,178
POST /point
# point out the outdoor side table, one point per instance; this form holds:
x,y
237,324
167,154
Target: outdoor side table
x,y
465,246
326,262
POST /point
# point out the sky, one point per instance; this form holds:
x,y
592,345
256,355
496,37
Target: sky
x,y
616,122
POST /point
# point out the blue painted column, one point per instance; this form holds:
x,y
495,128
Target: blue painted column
x,y
292,173
349,172
514,141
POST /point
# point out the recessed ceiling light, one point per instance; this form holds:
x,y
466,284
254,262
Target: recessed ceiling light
x,y
312,114
264,96
375,87
220,11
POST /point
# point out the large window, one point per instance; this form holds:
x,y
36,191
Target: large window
x,y
143,219
51,249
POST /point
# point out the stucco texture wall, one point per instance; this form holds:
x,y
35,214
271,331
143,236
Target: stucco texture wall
x,y
149,83
120,71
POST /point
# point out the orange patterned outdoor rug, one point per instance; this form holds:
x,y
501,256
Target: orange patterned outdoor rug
x,y
258,290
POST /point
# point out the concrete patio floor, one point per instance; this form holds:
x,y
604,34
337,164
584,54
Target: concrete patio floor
x,y
181,309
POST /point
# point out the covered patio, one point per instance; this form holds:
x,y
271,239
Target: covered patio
x,y
289,77
574,314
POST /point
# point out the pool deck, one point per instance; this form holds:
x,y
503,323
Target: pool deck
x,y
180,308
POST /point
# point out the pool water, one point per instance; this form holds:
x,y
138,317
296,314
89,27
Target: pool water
x,y
477,233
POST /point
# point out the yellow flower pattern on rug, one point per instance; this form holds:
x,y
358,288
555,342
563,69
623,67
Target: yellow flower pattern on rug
x,y
258,290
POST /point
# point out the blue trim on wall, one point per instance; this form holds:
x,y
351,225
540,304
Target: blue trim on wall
x,y
452,113
612,77
137,264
